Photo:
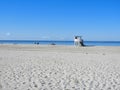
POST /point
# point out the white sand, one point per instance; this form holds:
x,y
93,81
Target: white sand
x,y
36,67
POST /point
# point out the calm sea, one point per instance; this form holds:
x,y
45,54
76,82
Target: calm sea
x,y
44,42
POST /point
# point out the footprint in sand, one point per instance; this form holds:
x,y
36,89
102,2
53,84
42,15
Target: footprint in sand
x,y
0,86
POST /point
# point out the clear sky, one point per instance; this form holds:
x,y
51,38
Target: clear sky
x,y
60,19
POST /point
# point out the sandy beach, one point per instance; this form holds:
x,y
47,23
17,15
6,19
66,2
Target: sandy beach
x,y
52,67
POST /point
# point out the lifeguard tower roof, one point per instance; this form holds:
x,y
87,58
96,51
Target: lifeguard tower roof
x,y
77,36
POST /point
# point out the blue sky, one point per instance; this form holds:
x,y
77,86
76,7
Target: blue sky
x,y
59,19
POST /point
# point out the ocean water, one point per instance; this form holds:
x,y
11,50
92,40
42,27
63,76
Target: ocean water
x,y
45,42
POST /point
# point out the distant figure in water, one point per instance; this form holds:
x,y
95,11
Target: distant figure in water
x,y
36,43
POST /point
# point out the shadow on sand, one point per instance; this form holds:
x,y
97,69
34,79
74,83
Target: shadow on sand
x,y
88,46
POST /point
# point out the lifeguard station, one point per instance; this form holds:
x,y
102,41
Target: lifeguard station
x,y
77,40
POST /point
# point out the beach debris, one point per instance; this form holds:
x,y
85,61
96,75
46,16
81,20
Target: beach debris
x,y
103,54
52,44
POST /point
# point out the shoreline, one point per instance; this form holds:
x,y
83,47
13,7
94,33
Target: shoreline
x,y
57,42
55,47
